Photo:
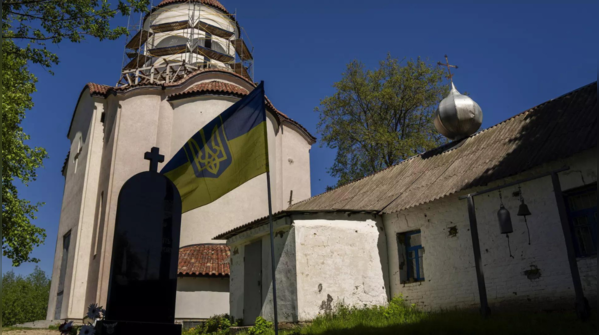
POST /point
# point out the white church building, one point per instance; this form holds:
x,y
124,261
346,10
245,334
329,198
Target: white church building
x,y
406,230
188,64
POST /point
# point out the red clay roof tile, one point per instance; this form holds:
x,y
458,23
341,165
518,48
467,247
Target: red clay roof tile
x,y
214,87
97,89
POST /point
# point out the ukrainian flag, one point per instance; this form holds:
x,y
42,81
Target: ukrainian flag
x,y
227,152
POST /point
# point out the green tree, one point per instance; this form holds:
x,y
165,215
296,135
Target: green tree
x,y
27,25
377,118
24,299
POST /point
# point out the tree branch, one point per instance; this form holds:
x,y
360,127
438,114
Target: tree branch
x,y
41,18
25,2
30,38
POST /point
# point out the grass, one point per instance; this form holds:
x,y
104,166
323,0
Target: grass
x,y
398,318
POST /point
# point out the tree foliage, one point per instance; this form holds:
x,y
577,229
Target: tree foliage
x,y
19,161
27,25
24,299
377,118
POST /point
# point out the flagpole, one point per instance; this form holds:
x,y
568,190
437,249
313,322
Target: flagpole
x,y
272,239
272,255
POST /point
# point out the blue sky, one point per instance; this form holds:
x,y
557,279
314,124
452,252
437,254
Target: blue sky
x,y
511,56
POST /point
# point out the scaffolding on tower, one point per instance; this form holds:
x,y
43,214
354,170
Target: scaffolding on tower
x,y
170,42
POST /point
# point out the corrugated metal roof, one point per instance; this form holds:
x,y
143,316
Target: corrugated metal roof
x,y
204,260
551,131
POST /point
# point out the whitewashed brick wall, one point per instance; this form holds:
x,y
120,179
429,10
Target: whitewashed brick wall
x,y
450,277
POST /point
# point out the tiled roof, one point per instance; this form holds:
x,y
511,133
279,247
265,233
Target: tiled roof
x,y
201,71
212,3
104,90
97,89
552,131
213,87
204,260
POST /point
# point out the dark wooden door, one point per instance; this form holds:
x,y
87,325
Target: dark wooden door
x,y
252,283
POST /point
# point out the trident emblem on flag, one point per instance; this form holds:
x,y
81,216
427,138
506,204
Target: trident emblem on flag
x,y
212,157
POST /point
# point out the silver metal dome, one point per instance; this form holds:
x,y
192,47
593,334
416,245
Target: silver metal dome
x,y
458,116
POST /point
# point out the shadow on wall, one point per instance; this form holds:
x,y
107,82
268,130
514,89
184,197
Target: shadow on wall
x,y
203,284
384,256
286,276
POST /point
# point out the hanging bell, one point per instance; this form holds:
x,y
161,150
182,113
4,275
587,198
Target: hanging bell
x,y
523,210
505,220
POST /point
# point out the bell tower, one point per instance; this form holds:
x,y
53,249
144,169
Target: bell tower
x,y
178,37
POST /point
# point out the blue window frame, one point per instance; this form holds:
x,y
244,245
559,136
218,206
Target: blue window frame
x,y
582,213
414,256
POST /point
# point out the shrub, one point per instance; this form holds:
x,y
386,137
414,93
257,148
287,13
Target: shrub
x,y
261,327
24,299
216,325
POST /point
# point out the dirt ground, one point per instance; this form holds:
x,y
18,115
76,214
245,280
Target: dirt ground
x,y
32,332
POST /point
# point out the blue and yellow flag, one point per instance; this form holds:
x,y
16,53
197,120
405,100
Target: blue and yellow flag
x,y
227,152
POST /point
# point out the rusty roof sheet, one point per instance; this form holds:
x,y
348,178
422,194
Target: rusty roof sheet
x,y
554,130
204,260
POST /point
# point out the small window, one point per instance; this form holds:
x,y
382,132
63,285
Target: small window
x,y
411,255
582,213
208,41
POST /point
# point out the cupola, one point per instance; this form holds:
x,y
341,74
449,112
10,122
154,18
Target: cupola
x,y
458,116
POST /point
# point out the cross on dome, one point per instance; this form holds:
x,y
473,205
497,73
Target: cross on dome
x,y
449,66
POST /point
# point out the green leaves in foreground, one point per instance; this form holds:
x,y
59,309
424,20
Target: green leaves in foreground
x,y
19,160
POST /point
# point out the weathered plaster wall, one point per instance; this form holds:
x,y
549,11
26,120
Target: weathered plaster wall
x,y
322,260
339,261
450,279
295,163
97,256
201,297
78,208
